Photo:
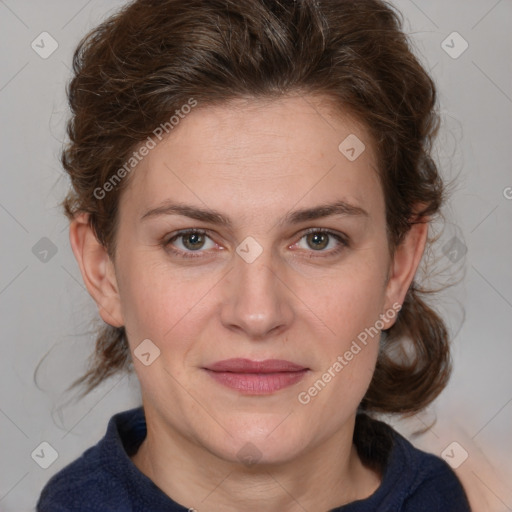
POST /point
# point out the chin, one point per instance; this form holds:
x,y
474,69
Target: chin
x,y
261,444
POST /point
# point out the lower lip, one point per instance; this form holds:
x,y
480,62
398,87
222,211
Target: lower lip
x,y
258,383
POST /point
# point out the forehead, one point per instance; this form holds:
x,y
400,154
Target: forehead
x,y
259,153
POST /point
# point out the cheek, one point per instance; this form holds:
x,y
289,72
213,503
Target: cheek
x,y
159,302
348,300
352,316
162,306
349,306
349,350
154,301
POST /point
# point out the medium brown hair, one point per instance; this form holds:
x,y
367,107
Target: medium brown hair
x,y
132,72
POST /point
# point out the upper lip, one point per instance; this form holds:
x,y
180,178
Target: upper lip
x,y
240,365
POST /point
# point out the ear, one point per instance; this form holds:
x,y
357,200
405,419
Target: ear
x,y
97,270
404,264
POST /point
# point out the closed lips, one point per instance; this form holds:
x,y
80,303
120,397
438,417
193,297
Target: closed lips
x,y
241,365
256,377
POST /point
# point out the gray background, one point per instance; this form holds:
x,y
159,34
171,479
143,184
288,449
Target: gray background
x,y
47,316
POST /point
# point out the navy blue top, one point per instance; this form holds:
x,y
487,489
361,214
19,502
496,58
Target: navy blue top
x,y
105,479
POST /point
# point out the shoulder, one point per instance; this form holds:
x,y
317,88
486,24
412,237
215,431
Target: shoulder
x,y
433,485
412,480
81,485
96,477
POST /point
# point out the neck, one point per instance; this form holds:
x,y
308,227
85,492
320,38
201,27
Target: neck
x,y
324,477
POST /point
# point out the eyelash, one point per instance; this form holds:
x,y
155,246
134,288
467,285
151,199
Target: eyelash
x,y
343,242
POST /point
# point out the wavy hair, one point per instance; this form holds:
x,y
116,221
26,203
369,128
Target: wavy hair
x,y
134,70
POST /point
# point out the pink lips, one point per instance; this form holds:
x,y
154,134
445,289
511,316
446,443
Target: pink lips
x,y
256,377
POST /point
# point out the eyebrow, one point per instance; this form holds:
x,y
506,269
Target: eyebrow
x,y
294,217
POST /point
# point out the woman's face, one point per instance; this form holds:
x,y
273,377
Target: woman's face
x,y
255,286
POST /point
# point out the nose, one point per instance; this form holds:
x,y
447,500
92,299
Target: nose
x,y
257,300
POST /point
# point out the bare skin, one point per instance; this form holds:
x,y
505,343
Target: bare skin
x,y
304,299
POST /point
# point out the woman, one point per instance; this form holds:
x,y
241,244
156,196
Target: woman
x,y
252,190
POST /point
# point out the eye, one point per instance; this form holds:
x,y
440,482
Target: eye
x,y
190,240
189,243
318,239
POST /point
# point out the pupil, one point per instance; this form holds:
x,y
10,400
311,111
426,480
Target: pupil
x,y
319,237
193,240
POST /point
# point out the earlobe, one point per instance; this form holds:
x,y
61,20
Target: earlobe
x,y
97,270
405,262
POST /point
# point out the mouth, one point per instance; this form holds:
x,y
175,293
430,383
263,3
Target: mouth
x,y
256,377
